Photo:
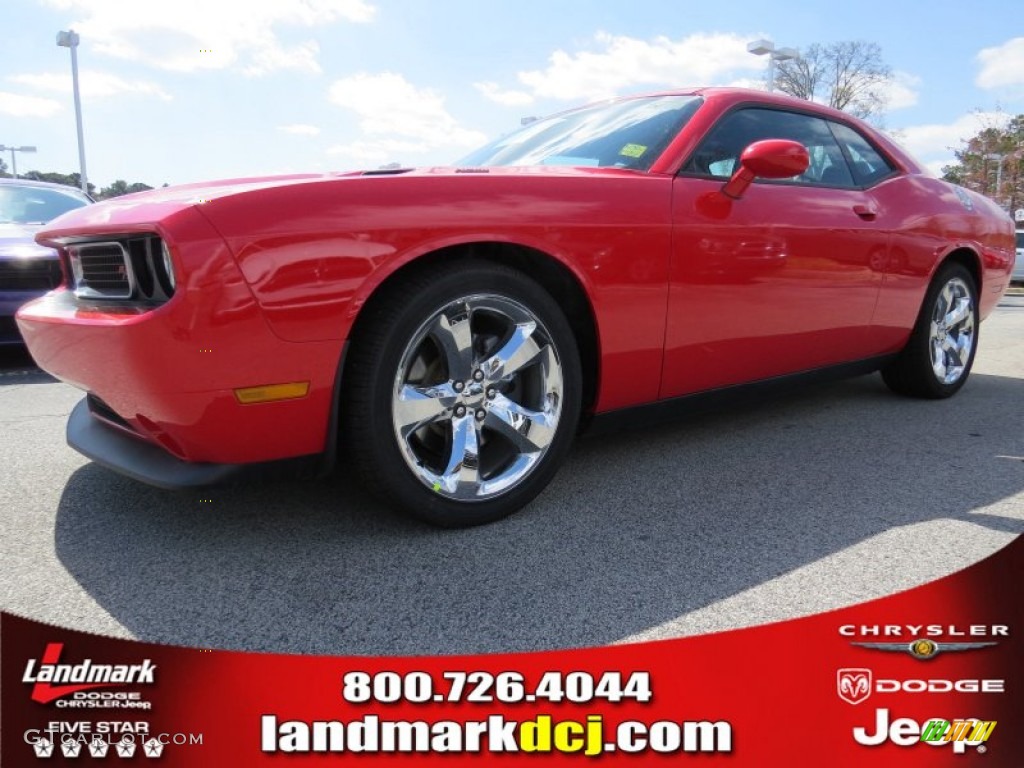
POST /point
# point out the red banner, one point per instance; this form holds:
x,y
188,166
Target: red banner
x,y
929,677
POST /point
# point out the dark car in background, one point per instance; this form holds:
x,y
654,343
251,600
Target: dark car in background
x,y
28,270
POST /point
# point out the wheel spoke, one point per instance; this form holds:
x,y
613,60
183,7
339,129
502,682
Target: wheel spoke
x,y
939,361
452,332
959,312
519,351
963,348
528,430
946,299
415,407
551,376
462,474
952,351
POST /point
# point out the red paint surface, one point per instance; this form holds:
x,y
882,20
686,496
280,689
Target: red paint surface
x,y
688,290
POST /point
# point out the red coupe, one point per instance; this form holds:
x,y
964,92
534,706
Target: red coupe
x,y
450,330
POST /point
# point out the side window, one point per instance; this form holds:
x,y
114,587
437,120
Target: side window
x,y
719,152
868,165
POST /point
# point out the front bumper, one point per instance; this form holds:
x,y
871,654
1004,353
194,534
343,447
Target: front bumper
x,y
116,449
131,456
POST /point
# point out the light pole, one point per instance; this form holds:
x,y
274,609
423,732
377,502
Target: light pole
x,y
14,160
69,39
767,47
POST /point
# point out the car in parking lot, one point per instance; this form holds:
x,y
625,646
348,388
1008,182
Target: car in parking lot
x,y
27,270
452,328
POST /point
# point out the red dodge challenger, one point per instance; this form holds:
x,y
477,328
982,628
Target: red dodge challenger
x,y
451,329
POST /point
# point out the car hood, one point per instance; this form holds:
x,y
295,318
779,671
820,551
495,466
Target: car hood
x,y
17,241
140,211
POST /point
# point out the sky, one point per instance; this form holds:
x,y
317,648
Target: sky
x,y
175,91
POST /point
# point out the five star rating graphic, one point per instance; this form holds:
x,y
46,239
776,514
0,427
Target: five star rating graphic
x,y
98,747
152,747
71,748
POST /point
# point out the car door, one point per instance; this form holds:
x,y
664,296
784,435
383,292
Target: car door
x,y
785,278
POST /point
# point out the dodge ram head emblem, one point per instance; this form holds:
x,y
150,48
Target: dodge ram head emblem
x,y
853,685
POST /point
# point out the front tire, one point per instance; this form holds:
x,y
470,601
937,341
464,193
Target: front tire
x,y
462,393
938,357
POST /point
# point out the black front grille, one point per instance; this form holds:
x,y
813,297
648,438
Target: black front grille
x,y
133,267
30,275
101,271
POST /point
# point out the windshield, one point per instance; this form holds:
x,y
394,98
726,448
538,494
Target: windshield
x,y
630,133
36,205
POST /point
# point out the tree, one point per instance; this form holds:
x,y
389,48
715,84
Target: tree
x,y
122,187
68,179
849,75
978,161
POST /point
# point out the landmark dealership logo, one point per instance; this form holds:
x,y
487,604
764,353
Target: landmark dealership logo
x,y
51,680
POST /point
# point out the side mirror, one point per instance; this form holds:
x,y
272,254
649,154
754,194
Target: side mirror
x,y
768,159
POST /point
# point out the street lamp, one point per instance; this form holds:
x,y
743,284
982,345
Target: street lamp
x,y
14,160
69,39
767,47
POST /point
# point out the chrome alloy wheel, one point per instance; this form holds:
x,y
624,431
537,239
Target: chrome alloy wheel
x,y
477,397
952,331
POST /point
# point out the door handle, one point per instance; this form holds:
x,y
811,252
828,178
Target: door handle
x,y
866,212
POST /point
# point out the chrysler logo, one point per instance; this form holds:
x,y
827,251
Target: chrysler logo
x,y
853,685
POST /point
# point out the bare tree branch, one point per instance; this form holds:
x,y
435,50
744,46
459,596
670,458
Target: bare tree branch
x,y
848,75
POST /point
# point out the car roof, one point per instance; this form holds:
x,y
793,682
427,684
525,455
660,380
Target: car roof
x,y
34,183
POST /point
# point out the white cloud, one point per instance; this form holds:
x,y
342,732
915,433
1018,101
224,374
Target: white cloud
x,y
301,57
754,83
934,143
506,97
1002,66
622,62
300,129
396,116
92,84
194,35
17,105
379,150
901,91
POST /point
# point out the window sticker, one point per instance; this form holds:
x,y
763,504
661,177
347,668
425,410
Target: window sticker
x,y
633,150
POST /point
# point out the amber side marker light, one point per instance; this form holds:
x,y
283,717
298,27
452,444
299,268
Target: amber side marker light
x,y
271,392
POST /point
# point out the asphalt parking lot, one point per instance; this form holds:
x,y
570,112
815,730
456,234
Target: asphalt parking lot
x,y
814,501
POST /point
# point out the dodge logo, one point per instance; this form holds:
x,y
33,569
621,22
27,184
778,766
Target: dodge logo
x,y
853,685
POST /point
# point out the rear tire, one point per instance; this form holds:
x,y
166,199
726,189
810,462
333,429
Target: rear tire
x,y
462,393
938,357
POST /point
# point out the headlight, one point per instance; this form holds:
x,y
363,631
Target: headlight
x,y
168,264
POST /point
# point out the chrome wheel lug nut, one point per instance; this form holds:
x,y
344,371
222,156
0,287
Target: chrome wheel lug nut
x,y
458,386
478,375
460,411
480,415
491,393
